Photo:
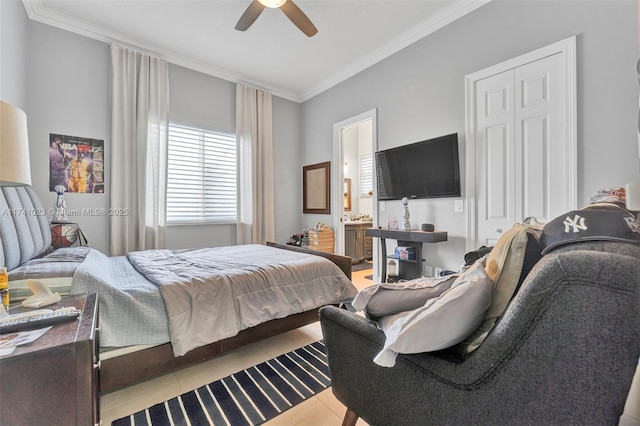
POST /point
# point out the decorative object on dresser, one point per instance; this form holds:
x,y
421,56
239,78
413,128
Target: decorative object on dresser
x,y
42,295
406,222
428,227
60,206
54,380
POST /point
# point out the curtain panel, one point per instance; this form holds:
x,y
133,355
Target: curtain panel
x,y
139,132
256,209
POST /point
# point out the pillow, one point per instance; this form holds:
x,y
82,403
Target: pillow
x,y
391,298
508,264
441,322
471,257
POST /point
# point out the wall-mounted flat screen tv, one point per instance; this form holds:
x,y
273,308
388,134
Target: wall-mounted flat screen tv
x,y
426,169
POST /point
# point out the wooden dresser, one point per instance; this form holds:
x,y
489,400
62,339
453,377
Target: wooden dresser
x,y
322,240
54,380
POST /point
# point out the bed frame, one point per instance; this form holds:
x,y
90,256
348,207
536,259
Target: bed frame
x,y
128,369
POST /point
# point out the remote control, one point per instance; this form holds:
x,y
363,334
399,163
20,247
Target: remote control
x,y
33,320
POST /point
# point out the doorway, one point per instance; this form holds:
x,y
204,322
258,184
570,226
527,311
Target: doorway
x,y
354,146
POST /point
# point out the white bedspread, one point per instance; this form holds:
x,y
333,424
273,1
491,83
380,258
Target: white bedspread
x,y
211,294
204,295
131,308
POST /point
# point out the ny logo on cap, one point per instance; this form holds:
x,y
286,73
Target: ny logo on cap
x,y
576,224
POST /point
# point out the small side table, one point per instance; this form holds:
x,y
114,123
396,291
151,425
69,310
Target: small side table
x,y
67,235
55,379
407,269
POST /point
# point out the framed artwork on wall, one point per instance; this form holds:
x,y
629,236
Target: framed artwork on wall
x,y
316,188
76,163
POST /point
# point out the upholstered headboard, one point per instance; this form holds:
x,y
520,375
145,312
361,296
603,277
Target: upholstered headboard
x,y
24,227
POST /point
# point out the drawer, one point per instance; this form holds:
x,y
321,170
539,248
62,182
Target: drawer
x,y
368,253
368,242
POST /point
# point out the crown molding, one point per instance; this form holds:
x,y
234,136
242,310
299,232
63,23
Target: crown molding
x,y
37,12
446,16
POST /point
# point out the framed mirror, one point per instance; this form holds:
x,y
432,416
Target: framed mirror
x,y
346,189
316,188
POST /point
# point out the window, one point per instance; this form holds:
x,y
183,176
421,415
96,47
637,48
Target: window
x,y
201,180
366,176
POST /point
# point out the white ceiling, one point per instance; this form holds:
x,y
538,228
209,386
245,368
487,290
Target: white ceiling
x,y
272,54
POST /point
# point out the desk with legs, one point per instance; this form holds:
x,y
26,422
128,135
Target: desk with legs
x,y
407,269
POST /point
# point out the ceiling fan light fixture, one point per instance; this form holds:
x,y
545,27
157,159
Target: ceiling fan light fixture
x,y
272,3
288,7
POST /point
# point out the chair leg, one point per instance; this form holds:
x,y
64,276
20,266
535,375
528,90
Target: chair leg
x,y
350,418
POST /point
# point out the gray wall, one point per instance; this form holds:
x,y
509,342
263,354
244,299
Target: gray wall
x,y
69,93
419,93
13,60
61,81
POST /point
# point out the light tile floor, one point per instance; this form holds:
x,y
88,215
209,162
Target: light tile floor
x,y
322,409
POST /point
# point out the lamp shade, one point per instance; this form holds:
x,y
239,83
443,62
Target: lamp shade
x,y
15,168
632,194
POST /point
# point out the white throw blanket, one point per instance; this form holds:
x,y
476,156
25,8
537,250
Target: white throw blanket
x,y
212,294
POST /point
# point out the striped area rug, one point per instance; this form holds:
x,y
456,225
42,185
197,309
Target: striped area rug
x,y
250,397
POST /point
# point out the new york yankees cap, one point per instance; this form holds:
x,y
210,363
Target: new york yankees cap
x,y
596,222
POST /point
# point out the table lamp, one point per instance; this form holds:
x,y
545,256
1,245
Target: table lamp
x,y
632,195
15,168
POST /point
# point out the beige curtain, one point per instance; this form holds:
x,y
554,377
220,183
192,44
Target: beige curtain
x,y
256,211
139,131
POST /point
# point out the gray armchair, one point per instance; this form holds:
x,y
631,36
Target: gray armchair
x,y
563,353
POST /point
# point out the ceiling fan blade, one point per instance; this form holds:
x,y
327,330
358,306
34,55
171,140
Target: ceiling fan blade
x,y
298,17
250,15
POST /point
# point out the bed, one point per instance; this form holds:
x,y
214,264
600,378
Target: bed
x,y
164,309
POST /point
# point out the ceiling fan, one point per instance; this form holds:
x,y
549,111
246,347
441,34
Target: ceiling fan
x,y
289,8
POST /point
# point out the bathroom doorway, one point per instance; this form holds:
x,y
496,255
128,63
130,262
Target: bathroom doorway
x,y
353,184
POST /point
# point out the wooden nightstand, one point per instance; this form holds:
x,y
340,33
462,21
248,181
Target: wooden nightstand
x,y
55,380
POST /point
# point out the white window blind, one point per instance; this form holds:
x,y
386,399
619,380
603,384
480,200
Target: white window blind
x,y
201,181
366,175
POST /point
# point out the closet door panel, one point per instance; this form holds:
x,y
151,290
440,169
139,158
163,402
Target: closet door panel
x,y
541,139
495,184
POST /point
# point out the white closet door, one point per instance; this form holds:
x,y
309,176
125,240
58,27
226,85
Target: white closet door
x,y
495,156
522,150
541,146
